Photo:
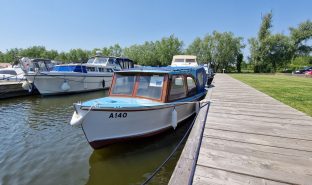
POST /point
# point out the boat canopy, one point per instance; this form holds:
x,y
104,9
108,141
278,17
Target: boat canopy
x,y
198,73
70,68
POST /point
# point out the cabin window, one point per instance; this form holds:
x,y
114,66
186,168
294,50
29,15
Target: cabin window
x,y
109,70
101,69
190,60
8,72
111,60
177,88
150,86
123,84
191,86
91,69
179,60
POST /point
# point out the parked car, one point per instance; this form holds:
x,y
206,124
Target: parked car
x,y
302,71
308,73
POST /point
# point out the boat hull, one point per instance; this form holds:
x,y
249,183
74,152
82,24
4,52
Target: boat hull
x,y
64,84
103,127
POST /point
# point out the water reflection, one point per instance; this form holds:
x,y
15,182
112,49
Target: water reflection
x,y
132,162
38,146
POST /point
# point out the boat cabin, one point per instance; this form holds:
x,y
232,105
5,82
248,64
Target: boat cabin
x,y
70,68
184,60
117,63
159,84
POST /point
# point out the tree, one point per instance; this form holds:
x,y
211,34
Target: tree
x,y
167,48
219,48
239,61
279,51
300,37
258,46
77,55
116,50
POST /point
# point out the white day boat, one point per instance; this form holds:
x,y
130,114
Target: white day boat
x,y
96,74
141,102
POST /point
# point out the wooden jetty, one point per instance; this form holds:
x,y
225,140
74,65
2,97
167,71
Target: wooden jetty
x,y
12,89
248,138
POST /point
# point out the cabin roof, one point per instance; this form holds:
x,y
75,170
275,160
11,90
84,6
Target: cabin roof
x,y
167,70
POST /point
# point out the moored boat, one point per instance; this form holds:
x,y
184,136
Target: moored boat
x,y
184,60
94,75
141,102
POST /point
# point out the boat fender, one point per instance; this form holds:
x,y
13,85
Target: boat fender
x,y
103,83
65,86
27,86
76,119
174,118
197,107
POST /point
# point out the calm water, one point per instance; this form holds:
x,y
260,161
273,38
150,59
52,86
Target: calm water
x,y
38,146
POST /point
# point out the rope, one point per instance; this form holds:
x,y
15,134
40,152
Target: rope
x,y
173,151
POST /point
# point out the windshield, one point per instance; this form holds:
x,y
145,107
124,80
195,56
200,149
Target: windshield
x,y
97,60
123,85
149,86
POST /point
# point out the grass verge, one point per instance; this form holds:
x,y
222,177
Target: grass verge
x,y
291,90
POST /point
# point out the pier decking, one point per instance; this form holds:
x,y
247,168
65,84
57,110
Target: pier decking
x,y
248,138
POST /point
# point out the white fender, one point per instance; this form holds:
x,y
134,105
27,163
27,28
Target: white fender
x,y
26,85
78,115
65,86
76,119
174,118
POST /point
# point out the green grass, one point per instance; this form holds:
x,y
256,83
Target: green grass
x,y
291,90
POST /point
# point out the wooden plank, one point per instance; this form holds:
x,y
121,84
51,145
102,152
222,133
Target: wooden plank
x,y
205,175
267,114
269,152
261,129
265,140
256,163
255,110
259,118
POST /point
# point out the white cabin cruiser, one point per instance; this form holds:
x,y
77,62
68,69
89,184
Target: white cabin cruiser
x,y
96,74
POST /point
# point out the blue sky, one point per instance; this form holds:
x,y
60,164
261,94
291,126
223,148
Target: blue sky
x,y
88,24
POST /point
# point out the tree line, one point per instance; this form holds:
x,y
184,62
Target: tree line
x,y
272,52
268,52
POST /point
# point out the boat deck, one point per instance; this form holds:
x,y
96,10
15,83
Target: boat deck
x,y
248,138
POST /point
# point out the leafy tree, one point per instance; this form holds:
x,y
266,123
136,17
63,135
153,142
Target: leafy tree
x,y
62,57
77,55
300,37
166,48
279,51
116,50
219,48
239,61
106,51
